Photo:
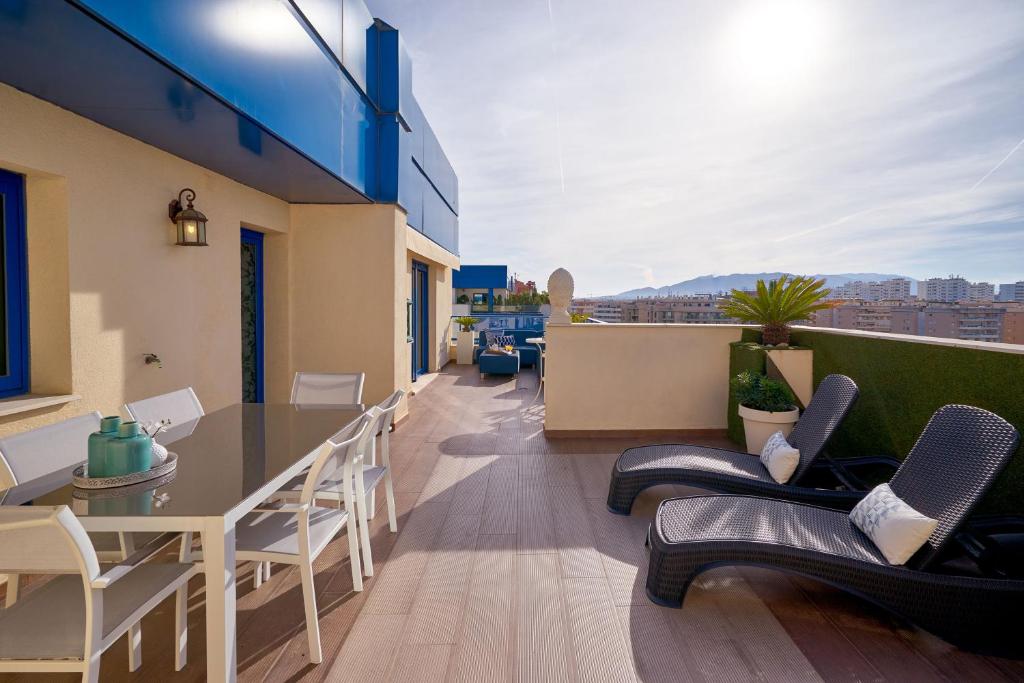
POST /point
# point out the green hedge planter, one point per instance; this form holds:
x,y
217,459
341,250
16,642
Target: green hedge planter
x,y
901,385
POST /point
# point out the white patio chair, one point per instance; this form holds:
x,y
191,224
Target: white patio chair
x,y
296,533
68,622
325,389
382,416
177,406
44,450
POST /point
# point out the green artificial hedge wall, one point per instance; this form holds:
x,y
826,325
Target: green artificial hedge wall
x,y
743,355
901,385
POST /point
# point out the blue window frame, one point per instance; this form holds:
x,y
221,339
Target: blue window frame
x,y
14,369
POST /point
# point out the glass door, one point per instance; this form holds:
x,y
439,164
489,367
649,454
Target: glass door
x,y
420,320
252,316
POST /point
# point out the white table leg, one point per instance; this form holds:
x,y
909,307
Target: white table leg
x,y
219,561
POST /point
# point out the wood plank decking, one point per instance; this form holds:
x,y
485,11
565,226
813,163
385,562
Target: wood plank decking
x,y
508,567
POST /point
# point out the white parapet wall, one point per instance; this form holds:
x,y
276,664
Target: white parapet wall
x,y
624,377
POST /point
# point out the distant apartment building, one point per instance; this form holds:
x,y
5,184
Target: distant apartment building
x,y
946,289
1011,291
973,322
1013,325
856,315
605,310
695,309
981,292
894,289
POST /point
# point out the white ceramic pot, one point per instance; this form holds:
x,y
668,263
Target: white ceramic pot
x,y
759,425
465,342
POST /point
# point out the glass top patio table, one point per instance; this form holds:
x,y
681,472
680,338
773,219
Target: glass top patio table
x,y
224,458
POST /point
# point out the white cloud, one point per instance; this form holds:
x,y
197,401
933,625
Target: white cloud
x,y
864,162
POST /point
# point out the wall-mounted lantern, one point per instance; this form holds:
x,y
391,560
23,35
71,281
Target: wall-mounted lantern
x,y
191,223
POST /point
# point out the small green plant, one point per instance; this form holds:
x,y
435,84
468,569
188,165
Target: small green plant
x,y
462,299
759,392
579,317
466,323
775,305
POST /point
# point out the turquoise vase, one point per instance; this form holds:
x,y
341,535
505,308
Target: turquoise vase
x,y
98,442
130,452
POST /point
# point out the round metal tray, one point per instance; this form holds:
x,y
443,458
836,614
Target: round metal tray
x,y
85,482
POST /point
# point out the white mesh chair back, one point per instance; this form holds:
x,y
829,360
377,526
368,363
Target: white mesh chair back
x,y
389,406
38,452
317,388
334,459
45,540
177,406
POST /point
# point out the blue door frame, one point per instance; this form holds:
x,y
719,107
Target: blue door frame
x,y
254,242
421,319
14,379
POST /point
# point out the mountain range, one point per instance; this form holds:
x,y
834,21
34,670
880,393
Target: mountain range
x,y
713,284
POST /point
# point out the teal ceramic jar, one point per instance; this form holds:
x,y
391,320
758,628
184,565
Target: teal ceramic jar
x,y
130,452
98,442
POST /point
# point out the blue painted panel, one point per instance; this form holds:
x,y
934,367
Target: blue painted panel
x,y
437,167
358,23
258,56
15,284
439,223
405,96
325,17
480,277
410,182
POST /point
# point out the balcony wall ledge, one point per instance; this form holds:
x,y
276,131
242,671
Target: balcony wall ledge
x,y
915,339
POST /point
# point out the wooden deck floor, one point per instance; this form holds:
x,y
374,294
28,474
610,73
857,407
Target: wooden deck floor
x,y
508,567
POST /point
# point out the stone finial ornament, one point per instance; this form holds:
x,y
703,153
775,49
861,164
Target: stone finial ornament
x,y
560,288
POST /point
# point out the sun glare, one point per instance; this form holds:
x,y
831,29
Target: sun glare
x,y
775,44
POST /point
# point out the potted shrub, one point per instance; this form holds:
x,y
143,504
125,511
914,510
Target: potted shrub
x,y
766,406
774,306
466,340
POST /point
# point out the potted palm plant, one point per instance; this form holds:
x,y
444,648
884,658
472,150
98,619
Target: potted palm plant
x,y
776,305
766,406
465,340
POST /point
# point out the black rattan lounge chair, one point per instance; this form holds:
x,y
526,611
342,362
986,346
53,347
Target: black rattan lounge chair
x,y
728,471
950,468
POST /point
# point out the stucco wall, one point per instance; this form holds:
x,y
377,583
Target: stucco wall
x,y
343,292
106,282
625,377
107,285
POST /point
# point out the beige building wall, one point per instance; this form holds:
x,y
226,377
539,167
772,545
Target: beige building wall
x,y
106,283
345,302
627,377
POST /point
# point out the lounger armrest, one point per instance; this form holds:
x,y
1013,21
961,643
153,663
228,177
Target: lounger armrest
x,y
126,565
843,469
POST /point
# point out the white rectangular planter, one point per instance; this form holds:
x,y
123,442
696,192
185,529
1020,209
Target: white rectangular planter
x,y
466,342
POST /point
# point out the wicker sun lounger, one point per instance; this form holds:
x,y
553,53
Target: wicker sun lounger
x,y
951,467
728,471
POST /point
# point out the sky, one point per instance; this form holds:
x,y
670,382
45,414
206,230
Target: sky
x,y
646,142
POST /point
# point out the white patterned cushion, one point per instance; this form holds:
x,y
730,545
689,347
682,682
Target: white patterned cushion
x,y
897,529
779,458
506,340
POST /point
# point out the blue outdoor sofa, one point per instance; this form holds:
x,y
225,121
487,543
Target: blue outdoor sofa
x,y
527,352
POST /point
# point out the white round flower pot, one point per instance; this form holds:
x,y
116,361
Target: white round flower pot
x,y
759,425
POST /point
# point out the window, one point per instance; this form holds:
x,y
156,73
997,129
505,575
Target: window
x,y
13,299
479,298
